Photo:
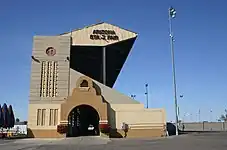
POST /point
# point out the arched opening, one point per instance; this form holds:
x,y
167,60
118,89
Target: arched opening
x,y
83,120
84,83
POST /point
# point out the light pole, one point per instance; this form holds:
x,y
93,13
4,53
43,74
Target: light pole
x,y
146,93
172,14
191,117
181,96
185,115
211,115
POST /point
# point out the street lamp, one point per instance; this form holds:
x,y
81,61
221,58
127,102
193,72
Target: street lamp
x,y
172,14
211,115
133,96
181,96
146,93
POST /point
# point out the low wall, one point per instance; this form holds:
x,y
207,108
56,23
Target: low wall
x,y
141,118
204,126
141,122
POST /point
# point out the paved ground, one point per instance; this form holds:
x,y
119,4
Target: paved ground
x,y
202,141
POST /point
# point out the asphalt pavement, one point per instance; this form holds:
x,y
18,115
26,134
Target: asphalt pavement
x,y
196,141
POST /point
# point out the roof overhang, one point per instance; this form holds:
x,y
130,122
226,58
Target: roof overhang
x,y
86,50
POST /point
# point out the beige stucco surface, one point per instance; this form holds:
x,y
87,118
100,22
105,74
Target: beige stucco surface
x,y
110,95
62,46
123,108
120,111
32,117
141,119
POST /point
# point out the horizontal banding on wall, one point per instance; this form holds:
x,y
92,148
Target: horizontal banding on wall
x,y
141,128
103,121
64,122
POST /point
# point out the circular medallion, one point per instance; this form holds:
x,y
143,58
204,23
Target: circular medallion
x,y
50,51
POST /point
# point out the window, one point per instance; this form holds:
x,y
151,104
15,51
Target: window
x,y
41,114
43,117
50,51
39,117
53,117
84,83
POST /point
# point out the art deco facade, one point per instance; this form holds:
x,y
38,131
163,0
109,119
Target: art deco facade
x,y
72,76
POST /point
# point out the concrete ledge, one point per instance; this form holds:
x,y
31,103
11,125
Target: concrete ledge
x,y
137,133
39,133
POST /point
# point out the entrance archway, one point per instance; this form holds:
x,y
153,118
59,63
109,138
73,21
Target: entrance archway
x,y
83,120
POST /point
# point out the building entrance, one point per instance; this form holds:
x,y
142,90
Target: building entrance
x,y
83,120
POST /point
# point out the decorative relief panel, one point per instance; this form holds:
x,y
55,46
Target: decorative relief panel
x,y
49,78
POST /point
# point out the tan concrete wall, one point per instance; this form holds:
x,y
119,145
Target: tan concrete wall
x,y
113,108
44,133
32,118
142,123
109,94
122,105
88,96
142,133
127,107
62,46
141,119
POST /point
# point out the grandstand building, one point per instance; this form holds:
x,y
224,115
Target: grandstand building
x,y
71,94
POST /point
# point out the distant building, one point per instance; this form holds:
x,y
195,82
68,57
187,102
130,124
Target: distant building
x,y
19,128
72,76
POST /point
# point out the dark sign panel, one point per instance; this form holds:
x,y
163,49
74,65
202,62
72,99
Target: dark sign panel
x,y
107,35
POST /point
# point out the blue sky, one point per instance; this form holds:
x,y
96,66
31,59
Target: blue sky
x,y
200,30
